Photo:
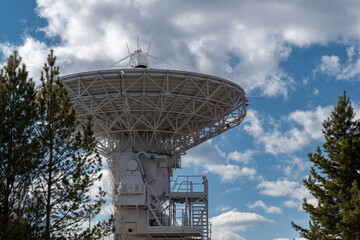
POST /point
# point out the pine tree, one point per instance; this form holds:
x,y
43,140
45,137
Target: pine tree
x,y
18,145
69,166
334,179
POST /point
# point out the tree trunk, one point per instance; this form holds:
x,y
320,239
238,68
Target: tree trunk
x,y
48,198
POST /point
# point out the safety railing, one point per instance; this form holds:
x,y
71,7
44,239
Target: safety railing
x,y
196,183
186,210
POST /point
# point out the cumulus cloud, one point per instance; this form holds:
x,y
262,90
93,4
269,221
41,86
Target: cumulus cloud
x,y
205,153
268,209
230,172
274,141
294,166
278,188
227,224
33,53
291,204
351,68
311,121
233,44
209,158
244,157
278,84
348,70
330,65
226,236
287,188
306,126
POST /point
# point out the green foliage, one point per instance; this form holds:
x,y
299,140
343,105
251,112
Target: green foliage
x,y
18,147
69,165
48,160
334,179
98,231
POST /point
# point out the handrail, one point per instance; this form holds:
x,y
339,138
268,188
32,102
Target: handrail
x,y
191,214
195,183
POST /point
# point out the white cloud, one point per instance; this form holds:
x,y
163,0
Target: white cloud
x,y
104,183
349,70
244,157
278,188
234,189
226,225
6,49
289,238
316,91
33,53
291,204
226,236
356,110
330,65
275,140
312,120
209,158
286,188
278,84
238,221
108,207
230,172
268,209
223,208
294,166
92,35
205,153
253,124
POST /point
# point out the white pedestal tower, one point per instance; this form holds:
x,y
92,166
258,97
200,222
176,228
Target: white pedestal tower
x,y
144,119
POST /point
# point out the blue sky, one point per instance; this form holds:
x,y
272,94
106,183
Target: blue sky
x,y
296,56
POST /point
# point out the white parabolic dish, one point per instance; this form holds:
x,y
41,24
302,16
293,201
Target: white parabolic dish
x,y
167,111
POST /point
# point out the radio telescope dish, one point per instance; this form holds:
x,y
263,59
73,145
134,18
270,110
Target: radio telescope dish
x,y
167,111
154,116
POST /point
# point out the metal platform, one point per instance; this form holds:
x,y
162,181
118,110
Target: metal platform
x,y
185,212
176,231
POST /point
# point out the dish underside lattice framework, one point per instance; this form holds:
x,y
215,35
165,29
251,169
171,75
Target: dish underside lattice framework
x,y
172,110
143,120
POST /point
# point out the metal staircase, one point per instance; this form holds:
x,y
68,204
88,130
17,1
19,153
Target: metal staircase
x,y
185,212
199,215
157,210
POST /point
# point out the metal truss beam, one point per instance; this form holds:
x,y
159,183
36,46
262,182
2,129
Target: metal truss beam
x,y
174,110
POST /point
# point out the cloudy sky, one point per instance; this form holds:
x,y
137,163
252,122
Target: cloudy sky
x,y
293,58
